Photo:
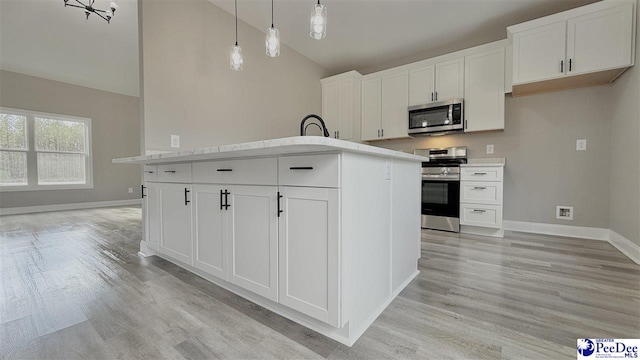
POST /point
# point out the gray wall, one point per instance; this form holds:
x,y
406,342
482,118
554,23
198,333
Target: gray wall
x,y
115,125
190,91
625,153
543,168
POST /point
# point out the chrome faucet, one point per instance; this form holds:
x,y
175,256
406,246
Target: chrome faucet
x,y
303,128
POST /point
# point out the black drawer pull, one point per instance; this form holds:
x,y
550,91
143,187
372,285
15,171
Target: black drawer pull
x,y
186,201
479,211
170,171
479,188
301,168
224,170
149,172
479,173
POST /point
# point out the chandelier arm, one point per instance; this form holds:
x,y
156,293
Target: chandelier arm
x,y
105,19
98,10
78,6
81,3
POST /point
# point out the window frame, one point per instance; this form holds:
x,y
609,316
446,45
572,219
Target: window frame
x,y
32,154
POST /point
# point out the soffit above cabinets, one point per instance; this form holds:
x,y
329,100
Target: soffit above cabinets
x,y
362,35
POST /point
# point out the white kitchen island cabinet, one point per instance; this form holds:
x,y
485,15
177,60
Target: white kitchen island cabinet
x,y
322,231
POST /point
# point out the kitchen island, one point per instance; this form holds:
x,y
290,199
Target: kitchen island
x,y
322,231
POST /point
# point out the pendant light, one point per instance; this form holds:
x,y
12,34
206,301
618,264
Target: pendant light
x,y
236,60
318,22
272,42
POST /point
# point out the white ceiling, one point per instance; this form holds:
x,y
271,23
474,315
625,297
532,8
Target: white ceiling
x,y
366,34
43,38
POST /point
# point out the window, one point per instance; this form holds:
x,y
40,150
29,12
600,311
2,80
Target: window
x,y
44,151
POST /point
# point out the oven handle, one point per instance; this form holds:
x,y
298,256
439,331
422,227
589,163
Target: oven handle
x,y
451,179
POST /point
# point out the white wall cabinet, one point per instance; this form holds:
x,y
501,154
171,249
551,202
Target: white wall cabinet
x,y
590,45
422,85
175,221
309,252
341,99
484,90
384,106
449,80
253,239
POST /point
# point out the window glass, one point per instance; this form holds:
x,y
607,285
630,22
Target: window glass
x,y
61,168
13,132
13,168
59,135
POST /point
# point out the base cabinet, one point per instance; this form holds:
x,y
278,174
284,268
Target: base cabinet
x,y
175,221
210,230
151,211
253,239
308,246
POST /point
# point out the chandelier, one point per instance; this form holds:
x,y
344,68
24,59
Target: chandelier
x,y
89,9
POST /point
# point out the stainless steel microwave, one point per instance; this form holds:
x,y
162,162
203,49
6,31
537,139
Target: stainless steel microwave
x,y
438,117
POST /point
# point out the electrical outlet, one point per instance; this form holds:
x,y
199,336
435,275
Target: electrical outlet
x,y
490,149
175,141
130,190
581,144
564,212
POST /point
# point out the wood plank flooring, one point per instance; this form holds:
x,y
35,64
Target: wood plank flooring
x,y
72,287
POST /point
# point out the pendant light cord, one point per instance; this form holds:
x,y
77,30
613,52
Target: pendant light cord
x,y
236,5
272,13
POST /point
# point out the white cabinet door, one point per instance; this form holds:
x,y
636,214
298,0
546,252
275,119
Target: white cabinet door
x,y
309,252
449,80
539,53
484,90
601,40
345,113
371,108
175,223
151,209
210,230
421,85
253,239
395,101
330,107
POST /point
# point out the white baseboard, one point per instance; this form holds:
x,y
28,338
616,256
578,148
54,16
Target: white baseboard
x,y
626,246
583,232
62,207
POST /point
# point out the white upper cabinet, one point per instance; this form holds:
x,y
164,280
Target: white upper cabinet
x,y
341,105
538,54
395,100
592,45
371,108
422,85
484,90
600,40
449,80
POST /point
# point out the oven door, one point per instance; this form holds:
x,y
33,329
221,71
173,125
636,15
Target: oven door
x,y
441,197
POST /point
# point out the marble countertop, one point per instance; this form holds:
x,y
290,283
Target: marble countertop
x,y
486,162
273,147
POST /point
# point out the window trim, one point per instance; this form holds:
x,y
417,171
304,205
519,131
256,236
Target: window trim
x,y
32,179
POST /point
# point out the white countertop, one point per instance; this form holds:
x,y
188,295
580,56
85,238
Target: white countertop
x,y
486,162
274,147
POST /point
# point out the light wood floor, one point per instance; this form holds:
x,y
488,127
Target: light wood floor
x,y
73,287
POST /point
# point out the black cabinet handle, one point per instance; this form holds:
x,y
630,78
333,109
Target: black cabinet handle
x,y
479,173
436,95
186,200
148,171
142,190
431,96
279,197
561,66
382,132
226,199
221,203
301,168
170,171
224,170
479,211
570,64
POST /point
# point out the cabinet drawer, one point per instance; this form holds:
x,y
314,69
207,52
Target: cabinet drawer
x,y
150,173
481,173
240,172
311,170
480,192
175,173
481,215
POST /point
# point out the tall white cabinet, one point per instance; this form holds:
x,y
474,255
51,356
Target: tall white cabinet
x,y
341,99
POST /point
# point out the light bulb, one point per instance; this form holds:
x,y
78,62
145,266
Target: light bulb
x,y
272,42
108,14
113,6
236,61
318,23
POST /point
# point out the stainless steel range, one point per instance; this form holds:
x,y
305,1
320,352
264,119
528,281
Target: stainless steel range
x,y
441,187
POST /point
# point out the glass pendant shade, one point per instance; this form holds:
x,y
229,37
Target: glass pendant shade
x,y
318,25
272,42
236,60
